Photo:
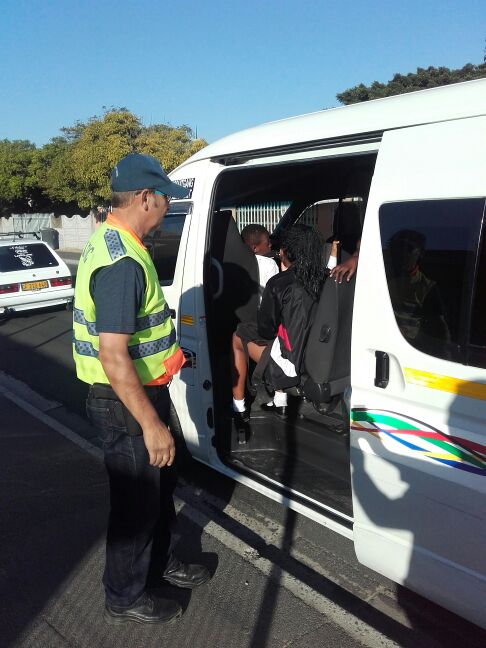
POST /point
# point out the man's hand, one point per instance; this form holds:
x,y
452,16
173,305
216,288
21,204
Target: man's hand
x,y
347,268
124,379
160,445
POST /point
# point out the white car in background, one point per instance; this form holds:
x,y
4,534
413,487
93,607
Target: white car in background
x,y
32,276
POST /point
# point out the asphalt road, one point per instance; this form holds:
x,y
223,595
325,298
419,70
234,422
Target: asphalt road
x,y
52,539
299,573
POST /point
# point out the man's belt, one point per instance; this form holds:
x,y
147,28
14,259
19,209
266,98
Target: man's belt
x,y
101,390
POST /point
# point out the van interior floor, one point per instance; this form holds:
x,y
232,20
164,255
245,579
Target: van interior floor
x,y
308,453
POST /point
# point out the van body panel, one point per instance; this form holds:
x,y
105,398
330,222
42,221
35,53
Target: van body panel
x,y
418,446
425,106
418,476
345,150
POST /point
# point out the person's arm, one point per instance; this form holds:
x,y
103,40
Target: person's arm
x,y
121,373
332,261
347,268
118,292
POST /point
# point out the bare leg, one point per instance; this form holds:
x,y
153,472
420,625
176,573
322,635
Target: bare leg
x,y
239,368
255,351
240,365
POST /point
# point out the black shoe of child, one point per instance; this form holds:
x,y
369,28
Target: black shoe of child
x,y
242,425
278,410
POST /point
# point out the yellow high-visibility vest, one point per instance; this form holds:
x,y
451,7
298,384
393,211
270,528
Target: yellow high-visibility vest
x,y
153,342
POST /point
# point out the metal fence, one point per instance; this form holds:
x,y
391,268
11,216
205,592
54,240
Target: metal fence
x,y
266,214
310,215
269,214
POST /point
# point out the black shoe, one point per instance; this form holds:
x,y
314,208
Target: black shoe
x,y
148,609
182,575
241,418
278,410
242,425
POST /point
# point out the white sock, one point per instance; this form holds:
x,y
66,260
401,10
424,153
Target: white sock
x,y
280,399
238,405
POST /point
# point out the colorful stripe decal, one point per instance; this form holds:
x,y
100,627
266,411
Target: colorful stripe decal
x,y
422,439
445,383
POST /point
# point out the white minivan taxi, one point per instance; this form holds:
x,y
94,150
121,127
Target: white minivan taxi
x,y
386,441
32,275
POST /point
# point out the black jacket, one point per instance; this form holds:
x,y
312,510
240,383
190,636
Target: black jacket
x,y
285,316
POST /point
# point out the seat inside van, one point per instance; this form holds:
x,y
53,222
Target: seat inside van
x,y
308,452
328,352
233,279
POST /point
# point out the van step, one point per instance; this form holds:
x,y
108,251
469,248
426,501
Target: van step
x,y
332,490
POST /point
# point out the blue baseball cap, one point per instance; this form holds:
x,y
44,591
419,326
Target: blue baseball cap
x,y
138,171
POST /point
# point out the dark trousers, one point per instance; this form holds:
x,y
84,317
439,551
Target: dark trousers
x,y
142,512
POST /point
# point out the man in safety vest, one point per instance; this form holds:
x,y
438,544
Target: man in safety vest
x,y
125,348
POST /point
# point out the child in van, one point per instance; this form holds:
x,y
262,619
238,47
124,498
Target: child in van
x,y
283,323
257,238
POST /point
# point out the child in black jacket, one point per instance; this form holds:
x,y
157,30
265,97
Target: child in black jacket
x,y
284,319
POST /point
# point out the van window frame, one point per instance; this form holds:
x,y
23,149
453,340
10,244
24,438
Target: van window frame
x,y
475,350
186,208
465,348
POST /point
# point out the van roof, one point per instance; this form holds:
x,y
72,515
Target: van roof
x,y
425,106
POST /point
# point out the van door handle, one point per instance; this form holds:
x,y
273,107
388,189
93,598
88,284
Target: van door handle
x,y
382,375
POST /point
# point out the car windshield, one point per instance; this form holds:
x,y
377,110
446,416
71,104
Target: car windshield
x,y
25,256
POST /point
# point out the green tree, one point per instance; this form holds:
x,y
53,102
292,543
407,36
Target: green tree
x,y
168,144
96,149
15,180
51,179
74,168
430,77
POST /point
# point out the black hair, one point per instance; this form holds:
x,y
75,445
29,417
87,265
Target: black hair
x,y
408,237
252,234
303,247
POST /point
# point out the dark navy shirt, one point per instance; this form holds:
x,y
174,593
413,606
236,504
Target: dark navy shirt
x,y
117,292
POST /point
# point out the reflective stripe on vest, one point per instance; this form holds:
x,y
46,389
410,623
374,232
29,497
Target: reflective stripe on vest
x,y
141,324
136,351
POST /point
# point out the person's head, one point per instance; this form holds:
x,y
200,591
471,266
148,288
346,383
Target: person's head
x,y
302,247
406,249
142,190
257,238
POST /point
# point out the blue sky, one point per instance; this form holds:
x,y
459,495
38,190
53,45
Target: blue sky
x,y
216,65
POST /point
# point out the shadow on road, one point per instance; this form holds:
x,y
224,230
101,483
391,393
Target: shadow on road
x,y
53,505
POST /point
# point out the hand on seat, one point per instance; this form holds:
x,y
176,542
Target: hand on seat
x,y
347,268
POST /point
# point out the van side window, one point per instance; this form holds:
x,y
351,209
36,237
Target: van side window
x,y
163,244
430,250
